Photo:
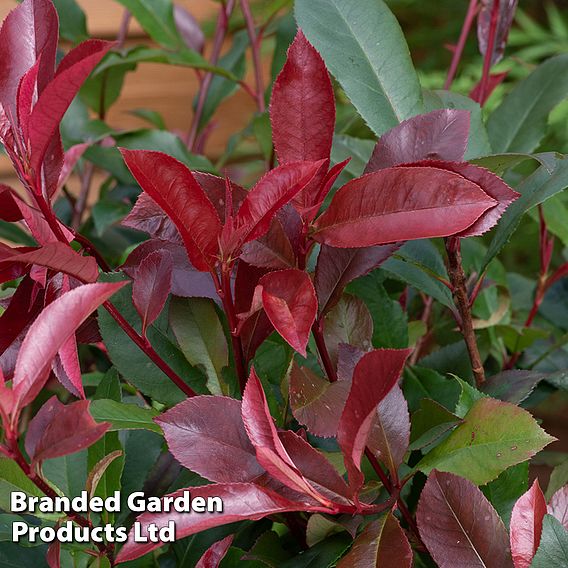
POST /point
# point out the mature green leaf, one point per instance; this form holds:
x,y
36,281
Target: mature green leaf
x,y
13,233
201,337
494,436
12,555
358,149
429,423
420,382
151,116
106,213
69,473
72,21
500,163
322,555
12,478
124,416
371,62
553,548
469,395
109,386
519,123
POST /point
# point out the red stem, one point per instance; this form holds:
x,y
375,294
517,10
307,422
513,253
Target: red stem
x,y
487,61
458,52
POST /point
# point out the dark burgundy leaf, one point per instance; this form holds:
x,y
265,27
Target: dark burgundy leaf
x,y
218,450
53,102
437,135
302,108
50,331
241,501
459,526
59,430
337,267
151,286
401,203
172,186
272,250
558,506
382,544
376,373
506,14
526,526
316,403
53,556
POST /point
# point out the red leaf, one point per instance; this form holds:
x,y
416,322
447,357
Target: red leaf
x,y
437,135
215,553
302,108
53,556
72,156
277,188
459,526
526,526
241,501
495,79
289,300
507,10
67,369
399,204
26,97
50,331
172,186
337,267
152,285
55,99
217,450
558,506
390,433
316,403
491,184
270,451
376,373
381,544
59,430
29,30
59,257
272,250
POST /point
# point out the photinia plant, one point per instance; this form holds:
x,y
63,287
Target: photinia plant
x,y
320,334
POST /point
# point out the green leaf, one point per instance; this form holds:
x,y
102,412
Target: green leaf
x,y
420,383
358,149
124,416
69,473
109,386
558,479
494,436
322,555
553,548
371,61
13,233
519,123
536,189
72,21
201,337
12,478
469,395
151,116
106,213
14,556
499,163
429,423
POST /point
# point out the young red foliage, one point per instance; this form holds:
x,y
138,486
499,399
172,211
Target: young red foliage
x,y
215,553
506,14
558,506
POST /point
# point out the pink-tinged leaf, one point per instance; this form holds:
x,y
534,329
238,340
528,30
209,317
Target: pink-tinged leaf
x,y
507,10
29,30
289,300
172,186
277,188
316,403
491,184
217,450
70,160
302,108
390,433
437,135
188,28
55,99
459,526
400,204
558,506
376,373
53,556
382,544
272,250
526,526
67,369
241,501
62,429
50,331
26,97
152,285
60,257
347,358
215,553
337,267
495,79
270,451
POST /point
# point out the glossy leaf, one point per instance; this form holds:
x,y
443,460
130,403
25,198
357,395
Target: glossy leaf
x,y
494,436
449,519
367,211
376,373
430,422
172,186
123,416
273,250
217,450
58,430
437,135
302,108
553,549
371,62
526,526
215,553
382,544
558,505
151,286
67,368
